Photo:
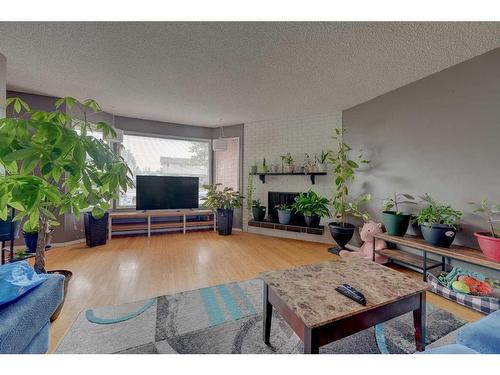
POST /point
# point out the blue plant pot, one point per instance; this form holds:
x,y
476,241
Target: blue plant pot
x,y
284,217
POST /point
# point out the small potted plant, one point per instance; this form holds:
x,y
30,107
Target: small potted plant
x,y
396,222
223,202
489,242
288,159
258,210
284,213
439,222
264,167
312,206
322,160
309,164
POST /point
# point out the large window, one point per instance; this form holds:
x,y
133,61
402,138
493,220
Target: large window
x,y
147,155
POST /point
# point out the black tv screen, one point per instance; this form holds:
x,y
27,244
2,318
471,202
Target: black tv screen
x,y
166,192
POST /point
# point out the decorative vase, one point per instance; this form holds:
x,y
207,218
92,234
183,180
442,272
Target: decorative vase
x,y
253,169
396,224
290,168
31,240
489,245
438,234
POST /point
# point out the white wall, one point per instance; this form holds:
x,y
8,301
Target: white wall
x,y
273,138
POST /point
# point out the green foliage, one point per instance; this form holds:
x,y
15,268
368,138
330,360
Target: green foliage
x,y
250,190
257,204
354,207
344,169
323,157
226,198
54,167
437,213
283,207
287,158
310,204
402,198
488,211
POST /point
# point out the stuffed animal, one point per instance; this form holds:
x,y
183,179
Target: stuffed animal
x,y
366,250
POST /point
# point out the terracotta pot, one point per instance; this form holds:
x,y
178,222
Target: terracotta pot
x,y
489,245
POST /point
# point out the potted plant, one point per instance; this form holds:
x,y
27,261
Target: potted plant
x,y
312,206
54,167
264,167
258,210
396,222
249,197
223,202
309,164
345,170
322,161
439,222
489,242
288,159
284,213
254,168
30,235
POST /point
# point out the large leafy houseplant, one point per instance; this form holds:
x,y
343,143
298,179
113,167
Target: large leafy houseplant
x,y
223,202
344,168
54,166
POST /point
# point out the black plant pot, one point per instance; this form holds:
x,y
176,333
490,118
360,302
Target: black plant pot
x,y
31,240
225,221
312,221
67,277
438,234
259,213
342,234
96,230
396,224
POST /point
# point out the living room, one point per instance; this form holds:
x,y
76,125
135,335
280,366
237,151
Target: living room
x,y
300,187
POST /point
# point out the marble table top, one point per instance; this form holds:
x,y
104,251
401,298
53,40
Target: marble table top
x,y
310,290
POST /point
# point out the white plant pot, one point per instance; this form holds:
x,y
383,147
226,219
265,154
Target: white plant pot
x,y
321,168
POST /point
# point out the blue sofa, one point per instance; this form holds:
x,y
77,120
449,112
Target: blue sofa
x,y
25,322
481,337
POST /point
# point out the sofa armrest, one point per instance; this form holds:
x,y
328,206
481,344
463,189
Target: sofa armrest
x,y
482,336
23,318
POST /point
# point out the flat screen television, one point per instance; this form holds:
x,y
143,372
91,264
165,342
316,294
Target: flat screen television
x,y
166,192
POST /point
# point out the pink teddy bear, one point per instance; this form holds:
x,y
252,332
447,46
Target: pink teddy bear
x,y
366,250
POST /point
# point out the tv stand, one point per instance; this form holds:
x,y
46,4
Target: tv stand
x,y
155,221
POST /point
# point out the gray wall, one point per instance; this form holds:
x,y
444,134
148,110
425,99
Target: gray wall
x,y
439,135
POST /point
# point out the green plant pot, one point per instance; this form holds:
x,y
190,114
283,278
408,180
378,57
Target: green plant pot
x,y
396,224
259,213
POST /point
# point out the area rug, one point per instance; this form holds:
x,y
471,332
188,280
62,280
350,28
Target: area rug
x,y
226,319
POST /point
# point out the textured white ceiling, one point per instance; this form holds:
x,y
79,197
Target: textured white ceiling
x,y
227,73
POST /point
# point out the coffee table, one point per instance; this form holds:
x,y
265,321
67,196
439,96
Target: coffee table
x,y
306,299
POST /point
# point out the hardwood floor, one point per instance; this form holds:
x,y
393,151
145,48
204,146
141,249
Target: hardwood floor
x,y
133,268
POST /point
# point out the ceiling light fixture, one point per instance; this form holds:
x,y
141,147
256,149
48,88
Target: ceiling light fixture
x,y
220,144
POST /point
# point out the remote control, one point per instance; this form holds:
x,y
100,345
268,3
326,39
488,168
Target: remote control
x,y
351,293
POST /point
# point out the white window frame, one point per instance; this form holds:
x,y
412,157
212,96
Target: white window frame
x,y
117,205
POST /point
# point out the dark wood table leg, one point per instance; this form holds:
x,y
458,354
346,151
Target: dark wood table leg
x,y
266,316
419,324
311,344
